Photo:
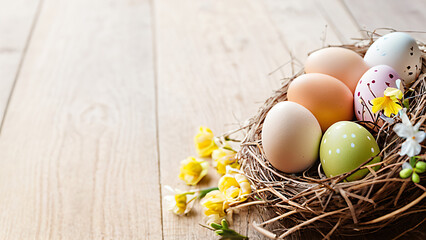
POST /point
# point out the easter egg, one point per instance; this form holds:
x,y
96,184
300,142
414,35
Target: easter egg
x,y
290,137
341,63
326,97
399,51
371,85
344,147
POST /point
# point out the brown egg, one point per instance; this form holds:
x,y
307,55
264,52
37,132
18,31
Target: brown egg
x,y
341,63
326,97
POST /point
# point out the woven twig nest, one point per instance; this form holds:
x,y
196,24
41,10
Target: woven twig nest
x,y
333,206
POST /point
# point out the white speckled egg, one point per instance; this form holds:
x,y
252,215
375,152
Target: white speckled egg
x,y
399,51
344,147
290,137
371,85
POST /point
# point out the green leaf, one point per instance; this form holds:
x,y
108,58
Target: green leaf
x,y
413,161
226,233
406,103
216,226
204,192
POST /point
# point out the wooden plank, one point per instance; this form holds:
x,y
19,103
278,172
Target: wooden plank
x,y
300,25
16,20
304,26
212,64
399,15
78,147
402,16
341,20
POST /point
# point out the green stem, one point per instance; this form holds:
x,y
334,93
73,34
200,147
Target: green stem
x,y
204,192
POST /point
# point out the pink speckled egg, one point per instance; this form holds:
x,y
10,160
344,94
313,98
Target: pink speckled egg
x,y
371,85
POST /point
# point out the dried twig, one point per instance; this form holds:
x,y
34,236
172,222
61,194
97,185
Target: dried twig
x,y
311,200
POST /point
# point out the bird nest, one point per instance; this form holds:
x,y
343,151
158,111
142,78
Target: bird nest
x,y
333,206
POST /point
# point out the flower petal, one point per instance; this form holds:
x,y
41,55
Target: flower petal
x,y
378,104
404,118
403,130
420,136
223,157
204,142
392,108
399,85
417,126
234,186
410,148
393,92
192,170
407,165
213,218
214,206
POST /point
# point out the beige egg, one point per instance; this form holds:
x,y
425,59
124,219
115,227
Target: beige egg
x,y
291,137
341,63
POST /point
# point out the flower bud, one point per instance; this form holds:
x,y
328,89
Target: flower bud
x,y
234,186
405,173
224,157
420,167
225,223
204,142
415,177
214,206
192,170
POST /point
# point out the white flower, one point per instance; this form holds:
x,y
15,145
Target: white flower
x,y
411,147
399,85
180,203
407,165
387,119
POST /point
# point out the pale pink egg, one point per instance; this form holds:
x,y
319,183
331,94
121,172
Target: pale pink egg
x,y
372,85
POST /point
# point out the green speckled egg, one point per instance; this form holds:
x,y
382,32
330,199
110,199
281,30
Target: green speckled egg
x,y
345,146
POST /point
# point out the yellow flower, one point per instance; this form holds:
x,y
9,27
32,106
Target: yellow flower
x,y
234,186
204,143
389,102
224,157
214,205
180,206
179,203
192,170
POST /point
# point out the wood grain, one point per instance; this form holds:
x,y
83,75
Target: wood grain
x,y
16,20
399,15
302,28
109,95
78,147
402,16
339,18
213,60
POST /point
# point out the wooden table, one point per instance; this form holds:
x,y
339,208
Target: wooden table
x,y
100,99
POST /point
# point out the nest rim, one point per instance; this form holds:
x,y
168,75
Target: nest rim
x,y
333,205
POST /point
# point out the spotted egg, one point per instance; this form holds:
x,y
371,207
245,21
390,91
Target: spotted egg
x,y
398,50
371,85
344,147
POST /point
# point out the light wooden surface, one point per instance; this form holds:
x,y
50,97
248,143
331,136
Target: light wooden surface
x,y
101,100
